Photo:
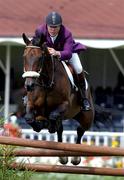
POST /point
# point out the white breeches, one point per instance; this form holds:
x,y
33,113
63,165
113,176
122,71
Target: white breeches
x,y
76,63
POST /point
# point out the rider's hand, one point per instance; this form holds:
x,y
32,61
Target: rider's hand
x,y
53,52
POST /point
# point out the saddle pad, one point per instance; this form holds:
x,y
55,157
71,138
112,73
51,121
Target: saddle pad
x,y
70,76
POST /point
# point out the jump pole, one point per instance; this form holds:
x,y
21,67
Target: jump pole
x,y
70,169
106,151
48,153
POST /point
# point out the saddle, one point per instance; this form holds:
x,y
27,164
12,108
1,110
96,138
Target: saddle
x,y
72,76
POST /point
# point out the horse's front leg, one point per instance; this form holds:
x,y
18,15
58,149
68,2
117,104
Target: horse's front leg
x,y
30,117
57,116
85,119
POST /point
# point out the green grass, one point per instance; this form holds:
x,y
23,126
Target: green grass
x,y
58,176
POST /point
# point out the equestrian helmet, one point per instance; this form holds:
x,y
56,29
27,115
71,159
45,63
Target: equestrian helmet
x,y
54,19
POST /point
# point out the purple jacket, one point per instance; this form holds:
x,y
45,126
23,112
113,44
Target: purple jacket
x,y
63,43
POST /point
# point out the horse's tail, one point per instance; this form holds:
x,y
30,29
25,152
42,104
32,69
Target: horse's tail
x,y
102,116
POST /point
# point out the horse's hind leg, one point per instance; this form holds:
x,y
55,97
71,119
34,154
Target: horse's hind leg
x,y
62,160
80,132
85,119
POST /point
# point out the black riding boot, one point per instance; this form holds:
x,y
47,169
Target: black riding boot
x,y
85,104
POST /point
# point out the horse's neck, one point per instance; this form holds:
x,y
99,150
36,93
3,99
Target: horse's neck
x,y
49,64
54,66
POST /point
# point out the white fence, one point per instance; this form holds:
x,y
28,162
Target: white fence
x,y
96,138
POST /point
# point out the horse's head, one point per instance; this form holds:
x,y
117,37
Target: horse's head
x,y
33,60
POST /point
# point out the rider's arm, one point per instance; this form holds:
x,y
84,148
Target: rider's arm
x,y
66,53
53,52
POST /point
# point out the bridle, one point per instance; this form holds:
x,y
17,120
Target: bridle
x,y
34,74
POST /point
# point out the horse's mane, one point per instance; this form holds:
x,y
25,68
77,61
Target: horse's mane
x,y
39,40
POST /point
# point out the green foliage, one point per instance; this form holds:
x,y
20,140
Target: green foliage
x,y
1,122
6,160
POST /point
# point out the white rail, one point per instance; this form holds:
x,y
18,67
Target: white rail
x,y
96,138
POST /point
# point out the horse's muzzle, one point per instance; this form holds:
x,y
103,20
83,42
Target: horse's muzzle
x,y
30,84
30,87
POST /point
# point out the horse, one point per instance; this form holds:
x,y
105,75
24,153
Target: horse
x,y
50,97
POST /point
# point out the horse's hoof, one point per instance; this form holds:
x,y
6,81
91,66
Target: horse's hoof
x,y
75,160
52,127
36,129
52,130
63,160
37,126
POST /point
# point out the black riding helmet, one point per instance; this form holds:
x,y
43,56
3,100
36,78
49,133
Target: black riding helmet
x,y
54,19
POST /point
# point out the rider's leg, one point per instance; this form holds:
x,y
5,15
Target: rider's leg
x,y
76,64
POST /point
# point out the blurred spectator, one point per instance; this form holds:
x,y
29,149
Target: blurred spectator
x,y
119,92
100,98
109,97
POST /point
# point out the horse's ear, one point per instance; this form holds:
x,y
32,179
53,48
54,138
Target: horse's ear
x,y
42,40
39,40
26,40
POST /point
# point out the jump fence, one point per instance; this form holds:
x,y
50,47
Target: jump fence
x,y
64,149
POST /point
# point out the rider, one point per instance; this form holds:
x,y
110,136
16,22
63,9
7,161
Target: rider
x,y
61,43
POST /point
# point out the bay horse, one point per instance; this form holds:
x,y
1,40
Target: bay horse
x,y
50,97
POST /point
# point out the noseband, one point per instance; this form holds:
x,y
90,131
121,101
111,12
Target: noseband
x,y
34,74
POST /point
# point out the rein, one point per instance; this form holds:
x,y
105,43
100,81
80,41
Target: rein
x,y
34,74
53,73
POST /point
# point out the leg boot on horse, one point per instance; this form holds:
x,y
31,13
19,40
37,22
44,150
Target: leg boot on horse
x,y
31,119
36,125
85,104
